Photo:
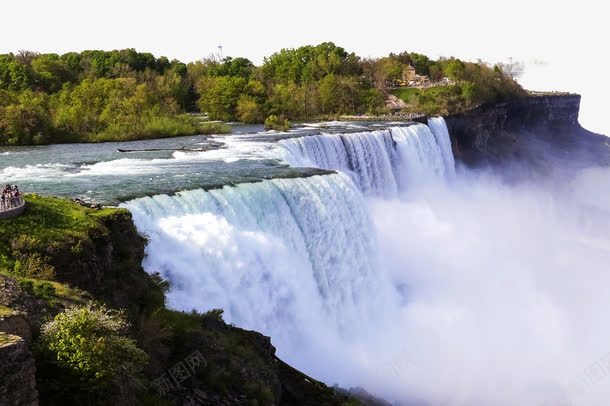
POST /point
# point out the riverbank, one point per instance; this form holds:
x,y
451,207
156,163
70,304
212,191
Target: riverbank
x,y
166,127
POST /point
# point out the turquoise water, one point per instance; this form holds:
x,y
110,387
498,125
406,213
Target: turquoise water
x,y
100,173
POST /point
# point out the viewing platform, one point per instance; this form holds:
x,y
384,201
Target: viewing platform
x,y
12,207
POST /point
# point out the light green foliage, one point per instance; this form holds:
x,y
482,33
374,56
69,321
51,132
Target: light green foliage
x,y
329,100
50,72
468,91
45,290
421,63
309,63
248,110
46,223
219,96
93,342
454,69
389,70
6,311
24,117
277,123
121,95
288,100
92,96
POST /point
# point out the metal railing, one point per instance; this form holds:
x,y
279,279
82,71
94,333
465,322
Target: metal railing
x,y
11,202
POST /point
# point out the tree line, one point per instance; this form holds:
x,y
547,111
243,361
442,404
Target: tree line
x,y
124,94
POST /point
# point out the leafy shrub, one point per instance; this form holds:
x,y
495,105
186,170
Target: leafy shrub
x,y
34,266
214,315
29,263
274,122
45,290
92,342
248,110
28,286
213,127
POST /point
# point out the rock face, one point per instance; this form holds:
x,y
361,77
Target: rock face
x,y
16,324
17,372
108,264
535,128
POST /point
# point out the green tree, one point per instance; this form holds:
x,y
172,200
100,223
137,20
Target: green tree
x,y
421,63
454,69
50,72
329,98
219,96
24,119
248,110
388,70
287,100
468,92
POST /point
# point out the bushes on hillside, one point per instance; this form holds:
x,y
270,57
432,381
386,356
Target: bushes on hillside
x,y
92,341
124,95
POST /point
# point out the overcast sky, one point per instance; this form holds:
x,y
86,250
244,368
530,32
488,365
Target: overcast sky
x,y
570,37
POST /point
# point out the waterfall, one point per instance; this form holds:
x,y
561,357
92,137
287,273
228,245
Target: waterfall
x,y
298,259
386,294
441,135
367,157
381,163
271,254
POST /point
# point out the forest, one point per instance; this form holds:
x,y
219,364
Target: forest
x,y
96,96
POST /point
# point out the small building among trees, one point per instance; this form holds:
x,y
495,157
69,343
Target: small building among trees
x,y
411,78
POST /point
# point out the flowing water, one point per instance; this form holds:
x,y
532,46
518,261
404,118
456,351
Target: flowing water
x,y
423,282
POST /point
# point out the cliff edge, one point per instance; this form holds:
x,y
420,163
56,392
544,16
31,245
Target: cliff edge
x,y
536,129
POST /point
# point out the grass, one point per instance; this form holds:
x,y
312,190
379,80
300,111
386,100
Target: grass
x,y
213,127
410,95
8,339
6,311
57,295
160,127
49,221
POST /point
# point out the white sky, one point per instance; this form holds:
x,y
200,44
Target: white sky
x,y
570,36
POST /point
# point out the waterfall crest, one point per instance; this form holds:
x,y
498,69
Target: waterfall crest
x,y
381,163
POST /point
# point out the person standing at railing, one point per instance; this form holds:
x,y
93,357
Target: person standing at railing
x,y
10,197
16,196
7,196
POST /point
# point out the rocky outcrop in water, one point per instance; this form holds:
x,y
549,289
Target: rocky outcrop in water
x,y
538,128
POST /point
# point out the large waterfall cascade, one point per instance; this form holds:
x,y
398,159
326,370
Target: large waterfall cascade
x,y
295,258
242,248
276,253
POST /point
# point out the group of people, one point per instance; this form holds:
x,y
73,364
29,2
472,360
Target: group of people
x,y
11,197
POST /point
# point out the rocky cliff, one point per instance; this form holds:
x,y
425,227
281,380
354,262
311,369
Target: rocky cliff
x,y
17,372
537,128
